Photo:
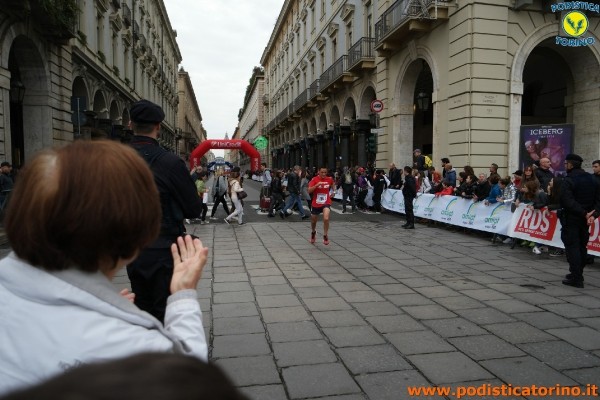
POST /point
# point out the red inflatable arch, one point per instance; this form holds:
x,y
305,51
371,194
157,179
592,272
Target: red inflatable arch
x,y
230,144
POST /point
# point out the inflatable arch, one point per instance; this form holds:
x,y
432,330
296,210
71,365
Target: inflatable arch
x,y
227,144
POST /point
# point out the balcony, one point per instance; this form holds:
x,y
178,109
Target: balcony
x,y
362,54
56,20
405,17
126,15
300,101
336,75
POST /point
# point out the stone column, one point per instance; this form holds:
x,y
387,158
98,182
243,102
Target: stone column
x,y
311,152
331,150
344,134
320,139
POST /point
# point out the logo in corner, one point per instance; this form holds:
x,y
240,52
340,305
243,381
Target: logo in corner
x,y
575,24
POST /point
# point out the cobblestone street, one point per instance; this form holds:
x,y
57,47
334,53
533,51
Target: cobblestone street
x,y
380,309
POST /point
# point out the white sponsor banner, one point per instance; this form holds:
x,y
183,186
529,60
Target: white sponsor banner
x,y
543,226
453,210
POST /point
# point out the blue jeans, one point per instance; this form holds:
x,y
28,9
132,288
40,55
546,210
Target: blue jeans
x,y
294,198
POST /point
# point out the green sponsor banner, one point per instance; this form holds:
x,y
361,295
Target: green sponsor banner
x,y
261,143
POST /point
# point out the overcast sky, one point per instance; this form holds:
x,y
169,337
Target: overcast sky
x,y
220,42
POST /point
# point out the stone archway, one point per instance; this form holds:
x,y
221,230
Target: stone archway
x,y
581,64
365,102
30,114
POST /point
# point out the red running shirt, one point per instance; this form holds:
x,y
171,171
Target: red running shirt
x,y
321,197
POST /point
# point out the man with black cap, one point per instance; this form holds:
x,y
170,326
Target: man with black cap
x,y
580,202
6,183
150,274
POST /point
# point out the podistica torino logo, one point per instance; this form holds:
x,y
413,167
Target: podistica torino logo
x,y
575,23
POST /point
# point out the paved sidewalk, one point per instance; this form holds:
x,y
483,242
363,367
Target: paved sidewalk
x,y
381,308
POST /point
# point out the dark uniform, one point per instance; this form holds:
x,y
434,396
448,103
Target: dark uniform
x,y
409,191
150,274
580,194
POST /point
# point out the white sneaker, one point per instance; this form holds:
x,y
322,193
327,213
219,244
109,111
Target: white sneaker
x,y
226,221
213,218
205,222
543,249
187,221
536,250
507,241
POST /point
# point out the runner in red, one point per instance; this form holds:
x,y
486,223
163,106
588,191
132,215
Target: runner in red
x,y
320,187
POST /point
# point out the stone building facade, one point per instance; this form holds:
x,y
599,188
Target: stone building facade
x,y
190,132
457,79
71,68
251,121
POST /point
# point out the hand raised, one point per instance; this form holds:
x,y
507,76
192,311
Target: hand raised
x,y
189,258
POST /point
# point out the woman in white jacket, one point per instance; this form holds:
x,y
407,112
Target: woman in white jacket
x,y
422,182
234,188
72,226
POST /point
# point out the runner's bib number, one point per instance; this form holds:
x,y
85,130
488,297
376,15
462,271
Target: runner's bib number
x,y
321,198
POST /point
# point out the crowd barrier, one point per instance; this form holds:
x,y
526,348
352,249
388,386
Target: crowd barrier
x,y
540,226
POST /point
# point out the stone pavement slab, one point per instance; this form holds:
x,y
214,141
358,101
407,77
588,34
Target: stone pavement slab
x,y
380,309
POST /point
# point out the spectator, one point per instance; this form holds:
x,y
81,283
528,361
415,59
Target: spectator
x,y
554,191
450,175
148,376
305,177
379,184
6,184
293,186
528,175
579,198
419,162
235,188
363,189
509,191
596,170
447,190
64,310
266,180
219,191
348,184
462,183
469,170
435,179
445,161
150,273
495,191
423,185
544,174
470,186
493,169
516,178
276,193
409,191
203,194
535,198
395,177
482,189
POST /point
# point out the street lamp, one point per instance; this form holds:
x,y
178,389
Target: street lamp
x,y
423,101
17,91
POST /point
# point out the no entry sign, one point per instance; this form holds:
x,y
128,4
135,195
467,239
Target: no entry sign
x,y
377,106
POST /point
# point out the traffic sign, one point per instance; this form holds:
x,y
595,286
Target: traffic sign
x,y
377,106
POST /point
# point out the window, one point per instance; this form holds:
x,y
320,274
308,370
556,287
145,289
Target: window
x,y
313,19
100,33
312,71
333,50
304,30
322,56
349,41
322,8
369,20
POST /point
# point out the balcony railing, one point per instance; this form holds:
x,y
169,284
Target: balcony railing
x,y
301,100
314,89
403,10
126,14
333,73
362,50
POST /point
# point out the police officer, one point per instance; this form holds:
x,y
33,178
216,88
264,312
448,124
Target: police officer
x,y
580,203
150,274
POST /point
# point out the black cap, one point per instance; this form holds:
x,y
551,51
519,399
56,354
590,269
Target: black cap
x,y
446,160
5,164
518,172
573,157
146,112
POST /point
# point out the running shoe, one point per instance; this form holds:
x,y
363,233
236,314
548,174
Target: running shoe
x,y
325,240
313,237
226,221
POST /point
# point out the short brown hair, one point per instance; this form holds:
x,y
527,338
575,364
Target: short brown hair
x,y
82,205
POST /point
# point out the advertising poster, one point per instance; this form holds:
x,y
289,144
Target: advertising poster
x,y
551,141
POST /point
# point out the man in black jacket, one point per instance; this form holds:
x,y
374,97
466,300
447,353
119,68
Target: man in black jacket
x,y
379,185
293,186
150,274
543,173
482,188
409,191
395,177
580,201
